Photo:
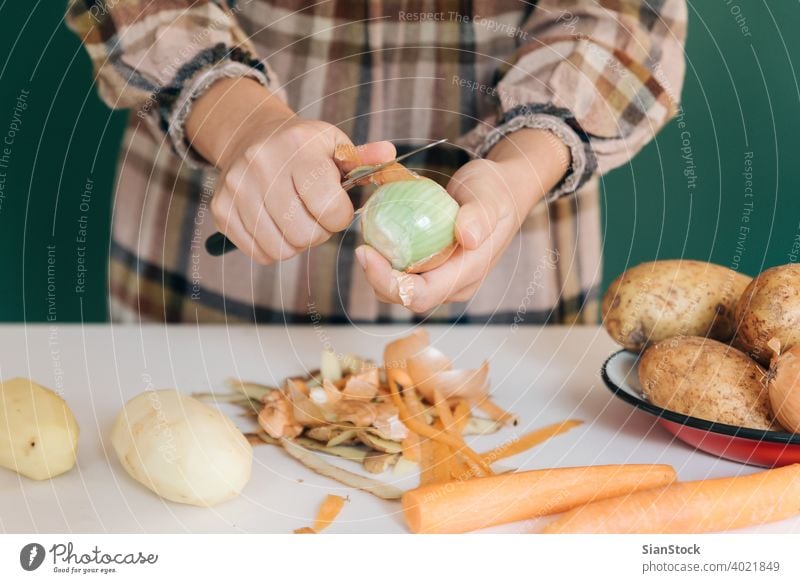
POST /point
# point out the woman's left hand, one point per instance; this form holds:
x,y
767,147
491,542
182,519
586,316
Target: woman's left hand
x,y
496,194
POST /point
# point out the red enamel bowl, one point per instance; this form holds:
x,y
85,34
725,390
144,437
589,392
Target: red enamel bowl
x,y
755,447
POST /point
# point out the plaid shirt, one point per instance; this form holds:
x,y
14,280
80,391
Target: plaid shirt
x,y
602,75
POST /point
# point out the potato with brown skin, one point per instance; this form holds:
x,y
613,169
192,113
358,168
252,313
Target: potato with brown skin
x,y
661,299
770,308
707,379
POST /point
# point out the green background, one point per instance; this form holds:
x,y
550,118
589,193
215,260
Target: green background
x,y
741,95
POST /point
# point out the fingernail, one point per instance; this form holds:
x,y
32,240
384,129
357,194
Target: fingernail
x,y
361,255
473,231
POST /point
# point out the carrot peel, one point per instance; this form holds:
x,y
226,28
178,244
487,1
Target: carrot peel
x,y
327,513
529,440
424,430
330,509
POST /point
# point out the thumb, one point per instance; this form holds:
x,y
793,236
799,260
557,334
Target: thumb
x,y
477,217
348,157
376,152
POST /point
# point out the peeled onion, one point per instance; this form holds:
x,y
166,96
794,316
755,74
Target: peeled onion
x,y
411,223
784,388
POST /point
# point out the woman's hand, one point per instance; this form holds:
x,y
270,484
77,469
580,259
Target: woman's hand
x,y
495,194
280,190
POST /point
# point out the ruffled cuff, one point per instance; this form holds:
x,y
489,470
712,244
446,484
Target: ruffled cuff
x,y
192,81
556,120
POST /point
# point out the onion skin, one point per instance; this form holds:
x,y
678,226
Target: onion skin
x,y
433,261
411,223
428,369
784,389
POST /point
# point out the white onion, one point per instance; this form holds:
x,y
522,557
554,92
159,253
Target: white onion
x,y
784,388
411,223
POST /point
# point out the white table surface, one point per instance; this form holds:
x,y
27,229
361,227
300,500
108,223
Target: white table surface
x,y
543,374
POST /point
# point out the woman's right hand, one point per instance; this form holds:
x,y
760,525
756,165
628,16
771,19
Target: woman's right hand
x,y
280,190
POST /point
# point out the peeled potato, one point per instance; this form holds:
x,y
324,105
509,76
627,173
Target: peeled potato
x,y
706,379
770,308
661,299
38,432
182,449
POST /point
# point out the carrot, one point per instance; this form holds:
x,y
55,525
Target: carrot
x,y
471,504
435,465
459,470
330,509
443,458
529,440
424,430
692,507
411,447
496,413
414,405
427,463
461,415
445,414
452,466
305,530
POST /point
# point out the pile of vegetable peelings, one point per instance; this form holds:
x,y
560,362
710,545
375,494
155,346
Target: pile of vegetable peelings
x,y
415,409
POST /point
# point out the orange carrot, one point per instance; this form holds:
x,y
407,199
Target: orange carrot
x,y
529,440
451,464
494,411
443,458
305,530
427,463
471,504
414,405
411,447
459,470
328,512
435,465
424,430
692,507
461,415
445,414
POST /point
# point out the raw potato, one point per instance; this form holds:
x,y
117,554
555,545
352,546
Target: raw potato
x,y
706,379
38,432
182,449
661,299
770,308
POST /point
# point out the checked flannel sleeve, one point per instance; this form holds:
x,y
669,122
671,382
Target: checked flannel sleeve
x,y
158,56
603,75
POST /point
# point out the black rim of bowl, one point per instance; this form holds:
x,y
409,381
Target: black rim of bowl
x,y
680,418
